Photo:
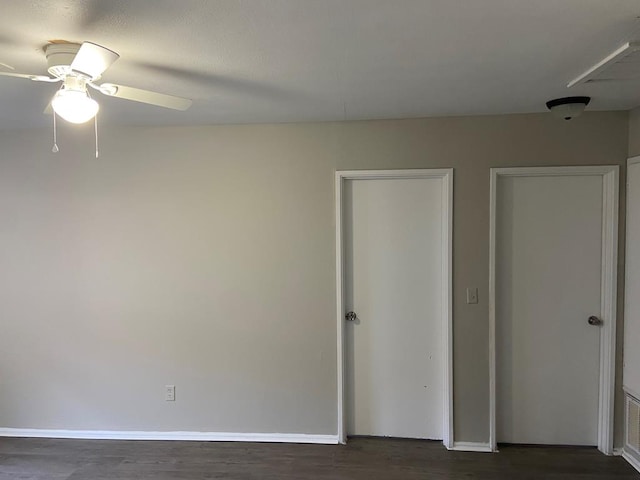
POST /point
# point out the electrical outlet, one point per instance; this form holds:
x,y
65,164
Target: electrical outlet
x,y
472,295
170,393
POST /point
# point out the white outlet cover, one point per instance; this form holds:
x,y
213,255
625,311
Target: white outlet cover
x,y
170,393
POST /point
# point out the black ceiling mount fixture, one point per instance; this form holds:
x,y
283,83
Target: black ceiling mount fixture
x,y
568,107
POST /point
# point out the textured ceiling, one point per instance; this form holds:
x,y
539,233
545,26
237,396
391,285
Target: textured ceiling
x,y
301,60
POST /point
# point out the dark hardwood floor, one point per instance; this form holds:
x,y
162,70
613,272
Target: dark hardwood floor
x,y
362,458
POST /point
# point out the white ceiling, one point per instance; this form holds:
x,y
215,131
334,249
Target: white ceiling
x,y
302,60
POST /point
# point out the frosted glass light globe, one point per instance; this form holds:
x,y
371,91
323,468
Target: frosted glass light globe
x,y
74,106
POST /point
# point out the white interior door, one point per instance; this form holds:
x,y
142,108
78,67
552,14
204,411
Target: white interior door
x,y
549,234
394,256
631,375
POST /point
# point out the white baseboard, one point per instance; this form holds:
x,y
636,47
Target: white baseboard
x,y
635,463
471,447
184,436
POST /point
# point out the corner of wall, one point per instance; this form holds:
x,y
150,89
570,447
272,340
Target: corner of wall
x,y
634,132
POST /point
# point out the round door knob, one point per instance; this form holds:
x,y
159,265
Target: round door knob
x,y
351,316
593,320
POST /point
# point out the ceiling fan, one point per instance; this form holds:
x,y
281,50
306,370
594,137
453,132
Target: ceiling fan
x,y
79,66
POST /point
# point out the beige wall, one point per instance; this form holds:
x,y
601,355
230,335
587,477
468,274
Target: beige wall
x,y
634,132
204,257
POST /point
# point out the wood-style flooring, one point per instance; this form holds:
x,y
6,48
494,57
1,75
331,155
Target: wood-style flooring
x,y
362,458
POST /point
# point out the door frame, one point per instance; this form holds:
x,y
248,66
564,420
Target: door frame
x,y
608,289
446,176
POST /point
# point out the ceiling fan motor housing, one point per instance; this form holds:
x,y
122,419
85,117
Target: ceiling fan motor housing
x,y
59,58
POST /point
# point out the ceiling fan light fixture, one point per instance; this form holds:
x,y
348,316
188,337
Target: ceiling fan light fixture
x,y
79,66
75,106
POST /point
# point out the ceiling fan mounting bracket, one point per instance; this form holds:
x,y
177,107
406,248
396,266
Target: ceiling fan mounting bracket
x,y
59,58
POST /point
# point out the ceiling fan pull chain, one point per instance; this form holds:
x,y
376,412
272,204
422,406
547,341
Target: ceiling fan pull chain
x,y
55,148
95,123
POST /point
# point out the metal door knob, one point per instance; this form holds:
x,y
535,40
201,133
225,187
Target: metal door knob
x,y
351,316
593,320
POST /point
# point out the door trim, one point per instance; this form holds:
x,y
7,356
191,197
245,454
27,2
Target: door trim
x,y
610,181
446,175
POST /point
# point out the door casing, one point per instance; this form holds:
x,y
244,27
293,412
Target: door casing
x,y
610,181
446,176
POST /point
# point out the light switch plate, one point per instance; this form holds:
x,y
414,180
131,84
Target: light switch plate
x,y
472,295
170,393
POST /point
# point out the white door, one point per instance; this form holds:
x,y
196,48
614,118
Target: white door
x,y
631,375
549,239
394,254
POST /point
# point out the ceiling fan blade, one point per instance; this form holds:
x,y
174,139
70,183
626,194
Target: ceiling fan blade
x,y
92,59
35,78
145,96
